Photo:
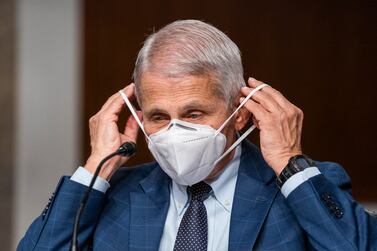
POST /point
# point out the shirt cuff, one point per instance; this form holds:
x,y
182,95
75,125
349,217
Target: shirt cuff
x,y
84,177
297,179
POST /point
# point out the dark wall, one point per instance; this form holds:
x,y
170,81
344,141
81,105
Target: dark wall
x,y
320,54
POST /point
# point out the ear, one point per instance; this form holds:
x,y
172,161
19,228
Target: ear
x,y
242,116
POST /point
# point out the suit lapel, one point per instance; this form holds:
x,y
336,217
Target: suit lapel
x,y
149,206
254,194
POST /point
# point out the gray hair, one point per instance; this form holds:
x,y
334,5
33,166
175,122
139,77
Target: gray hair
x,y
192,48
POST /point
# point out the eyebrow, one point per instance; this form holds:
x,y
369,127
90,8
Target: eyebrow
x,y
154,111
197,105
191,106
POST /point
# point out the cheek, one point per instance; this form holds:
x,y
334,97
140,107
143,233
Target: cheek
x,y
229,132
218,118
151,128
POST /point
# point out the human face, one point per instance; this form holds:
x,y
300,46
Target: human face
x,y
189,99
192,99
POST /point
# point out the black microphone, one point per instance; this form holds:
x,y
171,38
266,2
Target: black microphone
x,y
126,149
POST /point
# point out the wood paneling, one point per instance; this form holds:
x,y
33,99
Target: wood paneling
x,y
320,54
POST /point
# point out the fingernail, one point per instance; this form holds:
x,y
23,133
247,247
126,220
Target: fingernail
x,y
252,79
242,99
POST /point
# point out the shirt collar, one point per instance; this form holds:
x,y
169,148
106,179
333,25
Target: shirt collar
x,y
223,186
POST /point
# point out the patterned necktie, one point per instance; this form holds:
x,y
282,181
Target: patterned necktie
x,y
193,230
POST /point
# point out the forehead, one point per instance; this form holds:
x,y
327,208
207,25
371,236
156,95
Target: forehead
x,y
162,92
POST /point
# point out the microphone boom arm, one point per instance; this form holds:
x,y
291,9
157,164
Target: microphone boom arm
x,y
126,149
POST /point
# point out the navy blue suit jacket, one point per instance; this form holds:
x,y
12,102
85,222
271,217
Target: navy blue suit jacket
x,y
318,215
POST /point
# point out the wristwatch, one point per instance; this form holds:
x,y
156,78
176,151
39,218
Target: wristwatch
x,y
296,164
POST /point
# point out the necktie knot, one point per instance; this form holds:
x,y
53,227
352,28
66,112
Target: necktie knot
x,y
193,229
199,191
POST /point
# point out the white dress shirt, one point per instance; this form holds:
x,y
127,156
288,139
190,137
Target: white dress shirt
x,y
218,204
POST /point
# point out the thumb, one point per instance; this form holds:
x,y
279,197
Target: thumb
x,y
131,129
255,122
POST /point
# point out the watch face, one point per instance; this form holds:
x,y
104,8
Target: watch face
x,y
298,163
302,162
295,165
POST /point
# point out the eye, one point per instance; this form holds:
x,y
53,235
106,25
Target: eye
x,y
159,118
194,115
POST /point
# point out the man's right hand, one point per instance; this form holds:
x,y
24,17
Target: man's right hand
x,y
105,137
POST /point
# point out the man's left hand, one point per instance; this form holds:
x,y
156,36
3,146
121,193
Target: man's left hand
x,y
279,122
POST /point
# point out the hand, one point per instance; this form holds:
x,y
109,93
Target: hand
x,y
105,137
279,122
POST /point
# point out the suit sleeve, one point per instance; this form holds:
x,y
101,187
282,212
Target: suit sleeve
x,y
52,230
332,219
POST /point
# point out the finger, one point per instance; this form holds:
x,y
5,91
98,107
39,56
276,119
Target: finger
x,y
284,103
280,99
256,109
255,122
117,104
263,98
128,90
140,116
108,101
131,129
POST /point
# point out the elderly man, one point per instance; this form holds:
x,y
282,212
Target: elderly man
x,y
206,191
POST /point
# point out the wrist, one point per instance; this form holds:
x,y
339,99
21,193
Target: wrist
x,y
296,164
282,162
107,170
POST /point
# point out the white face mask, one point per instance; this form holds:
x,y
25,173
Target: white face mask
x,y
188,152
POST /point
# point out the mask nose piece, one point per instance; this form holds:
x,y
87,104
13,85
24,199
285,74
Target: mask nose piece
x,y
173,122
180,124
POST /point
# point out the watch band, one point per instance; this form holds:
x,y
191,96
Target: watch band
x,y
295,164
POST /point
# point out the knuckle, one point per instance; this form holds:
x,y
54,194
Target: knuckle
x,y
297,111
292,111
283,115
301,116
300,112
92,119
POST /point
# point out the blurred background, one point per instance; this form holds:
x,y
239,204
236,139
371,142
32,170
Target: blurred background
x,y
61,59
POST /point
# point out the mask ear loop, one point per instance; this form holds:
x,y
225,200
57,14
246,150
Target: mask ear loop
x,y
133,112
243,136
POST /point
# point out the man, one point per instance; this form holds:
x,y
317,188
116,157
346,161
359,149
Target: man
x,y
206,191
